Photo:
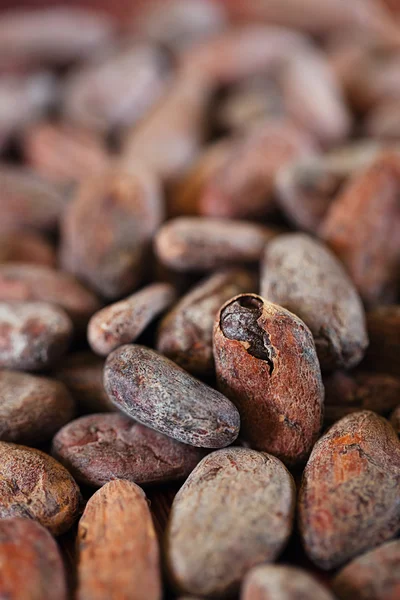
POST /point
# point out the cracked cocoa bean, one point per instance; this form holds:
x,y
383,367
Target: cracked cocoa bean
x,y
156,392
33,335
35,486
117,546
348,500
124,321
31,563
32,409
304,277
185,333
266,363
280,582
233,512
102,447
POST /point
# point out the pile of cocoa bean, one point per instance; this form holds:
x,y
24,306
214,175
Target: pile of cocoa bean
x,y
200,301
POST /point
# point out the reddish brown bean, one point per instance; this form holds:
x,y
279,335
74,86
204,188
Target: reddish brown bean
x,y
124,321
233,512
117,545
186,332
26,247
266,363
348,499
102,447
383,354
33,335
32,409
280,582
35,486
31,564
161,395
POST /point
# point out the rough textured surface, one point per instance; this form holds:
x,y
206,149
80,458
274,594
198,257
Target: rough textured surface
x,y
35,486
32,409
266,363
82,373
185,333
279,582
346,393
383,353
155,391
33,335
304,277
107,227
372,576
204,243
23,282
26,246
234,511
349,497
124,321
102,447
31,566
117,545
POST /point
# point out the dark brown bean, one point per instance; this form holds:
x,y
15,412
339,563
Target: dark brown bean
x,y
348,499
102,447
234,511
161,395
107,228
280,582
186,332
31,564
383,354
117,545
35,486
26,247
266,363
33,335
124,321
372,576
307,279
32,409
204,243
26,282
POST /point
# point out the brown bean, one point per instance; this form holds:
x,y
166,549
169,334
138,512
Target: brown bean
x,y
307,279
32,409
204,243
118,551
26,282
234,511
372,576
346,393
107,228
348,499
31,564
33,335
82,373
35,486
383,121
280,582
102,447
124,321
186,332
395,420
26,247
266,363
383,354
161,395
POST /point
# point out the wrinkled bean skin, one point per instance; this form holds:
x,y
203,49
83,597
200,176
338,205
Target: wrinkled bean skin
x,y
117,546
185,333
159,394
383,354
124,321
279,582
107,228
32,409
266,363
102,447
233,512
31,563
348,499
33,335
371,576
301,275
35,486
